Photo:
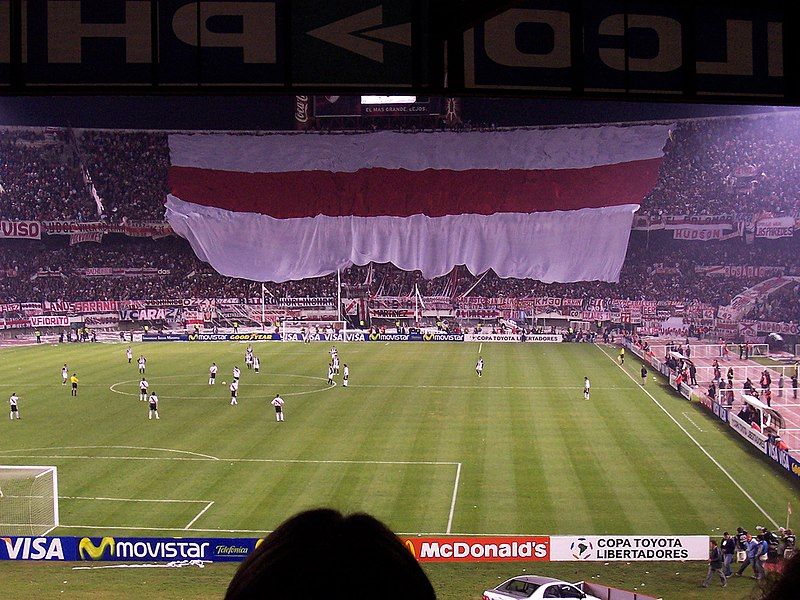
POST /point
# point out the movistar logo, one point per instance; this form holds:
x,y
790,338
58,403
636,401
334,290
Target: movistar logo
x,y
427,337
374,336
410,547
88,551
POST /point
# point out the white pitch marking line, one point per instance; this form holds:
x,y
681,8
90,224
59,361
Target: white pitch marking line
x,y
401,386
200,514
480,347
136,500
453,502
113,387
208,456
696,443
239,460
688,418
102,499
170,565
128,528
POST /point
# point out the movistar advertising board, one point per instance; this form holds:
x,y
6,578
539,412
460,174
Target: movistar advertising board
x,y
126,549
414,337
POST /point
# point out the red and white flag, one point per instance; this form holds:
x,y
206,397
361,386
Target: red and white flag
x,y
549,204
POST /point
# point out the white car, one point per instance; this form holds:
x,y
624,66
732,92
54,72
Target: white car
x,y
530,586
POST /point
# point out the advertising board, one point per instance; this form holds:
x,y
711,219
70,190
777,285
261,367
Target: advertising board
x,y
628,548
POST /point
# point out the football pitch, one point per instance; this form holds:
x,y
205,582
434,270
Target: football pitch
x,y
417,440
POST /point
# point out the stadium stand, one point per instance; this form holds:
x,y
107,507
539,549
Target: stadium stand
x,y
731,166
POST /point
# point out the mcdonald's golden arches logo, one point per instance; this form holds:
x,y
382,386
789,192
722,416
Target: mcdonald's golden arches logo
x,y
410,547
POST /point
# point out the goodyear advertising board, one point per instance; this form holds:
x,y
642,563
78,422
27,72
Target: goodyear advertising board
x,y
253,336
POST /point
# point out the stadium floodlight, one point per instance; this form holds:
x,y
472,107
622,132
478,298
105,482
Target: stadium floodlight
x,y
313,331
28,500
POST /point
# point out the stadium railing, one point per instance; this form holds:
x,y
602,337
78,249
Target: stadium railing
x,y
787,461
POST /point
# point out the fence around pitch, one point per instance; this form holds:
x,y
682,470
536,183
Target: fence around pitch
x,y
712,350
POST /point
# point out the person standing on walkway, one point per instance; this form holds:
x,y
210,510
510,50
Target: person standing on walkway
x,y
728,550
715,565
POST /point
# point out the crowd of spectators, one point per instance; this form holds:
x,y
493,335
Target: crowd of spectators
x,y
49,270
781,307
739,166
733,166
41,178
130,171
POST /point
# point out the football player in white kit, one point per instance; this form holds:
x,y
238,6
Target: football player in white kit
x,y
14,406
143,385
234,392
586,387
277,402
345,376
212,374
153,406
479,367
64,374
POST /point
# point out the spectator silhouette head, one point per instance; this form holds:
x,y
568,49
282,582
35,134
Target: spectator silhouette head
x,y
784,587
322,553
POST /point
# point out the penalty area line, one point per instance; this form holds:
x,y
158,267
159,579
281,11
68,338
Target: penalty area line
x,y
691,437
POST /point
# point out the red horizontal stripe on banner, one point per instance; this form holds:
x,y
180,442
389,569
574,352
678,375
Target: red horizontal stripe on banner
x,y
401,193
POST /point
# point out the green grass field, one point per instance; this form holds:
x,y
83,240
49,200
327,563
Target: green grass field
x,y
531,456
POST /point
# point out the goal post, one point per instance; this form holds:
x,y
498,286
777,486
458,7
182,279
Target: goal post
x,y
28,500
312,331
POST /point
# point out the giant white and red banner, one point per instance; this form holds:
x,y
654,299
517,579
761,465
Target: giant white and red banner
x,y
550,204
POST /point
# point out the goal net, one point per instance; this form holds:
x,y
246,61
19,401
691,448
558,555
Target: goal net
x,y
28,500
313,331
